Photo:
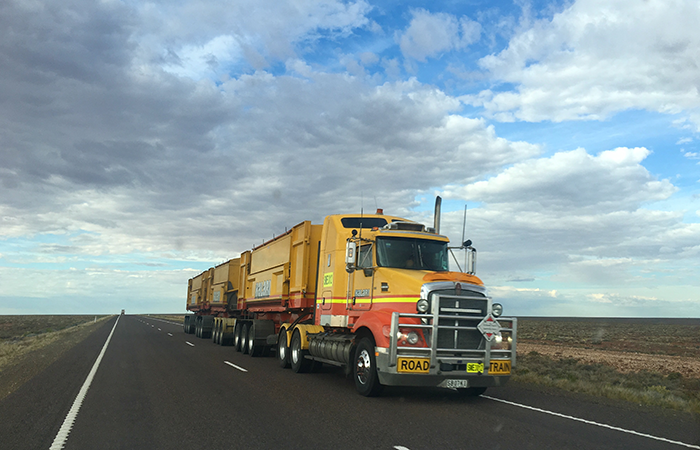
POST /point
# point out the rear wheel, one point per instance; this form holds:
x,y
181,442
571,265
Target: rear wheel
x,y
237,336
297,356
365,369
283,349
253,349
244,338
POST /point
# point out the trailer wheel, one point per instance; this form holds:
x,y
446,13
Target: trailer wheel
x,y
283,349
244,339
471,392
237,336
253,350
215,332
365,369
226,339
299,363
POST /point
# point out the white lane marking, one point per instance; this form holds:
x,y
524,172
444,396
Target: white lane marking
x,y
159,329
170,334
189,343
590,422
237,367
400,447
60,440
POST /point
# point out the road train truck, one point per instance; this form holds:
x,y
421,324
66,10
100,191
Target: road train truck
x,y
371,293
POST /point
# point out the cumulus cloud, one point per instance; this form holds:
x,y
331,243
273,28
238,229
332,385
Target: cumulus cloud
x,y
576,218
143,160
597,58
203,38
430,34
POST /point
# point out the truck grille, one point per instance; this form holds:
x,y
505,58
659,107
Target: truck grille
x,y
454,314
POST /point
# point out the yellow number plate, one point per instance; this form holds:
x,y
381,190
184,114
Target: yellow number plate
x,y
501,367
475,367
413,365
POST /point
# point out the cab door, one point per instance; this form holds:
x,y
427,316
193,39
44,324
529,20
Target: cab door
x,y
361,281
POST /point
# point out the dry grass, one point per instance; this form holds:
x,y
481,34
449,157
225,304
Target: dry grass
x,y
179,318
29,344
646,361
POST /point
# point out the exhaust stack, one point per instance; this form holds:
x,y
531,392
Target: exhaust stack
x,y
436,215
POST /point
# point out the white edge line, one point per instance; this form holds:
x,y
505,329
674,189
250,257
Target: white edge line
x,y
189,343
60,440
590,422
235,366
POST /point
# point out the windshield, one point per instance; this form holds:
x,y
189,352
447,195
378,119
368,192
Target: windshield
x,y
411,253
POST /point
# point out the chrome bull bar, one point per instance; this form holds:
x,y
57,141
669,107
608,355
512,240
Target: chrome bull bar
x,y
431,326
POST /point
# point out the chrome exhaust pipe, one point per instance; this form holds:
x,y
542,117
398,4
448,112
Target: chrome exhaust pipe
x,y
436,215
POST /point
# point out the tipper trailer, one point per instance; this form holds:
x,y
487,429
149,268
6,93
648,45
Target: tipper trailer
x,y
371,293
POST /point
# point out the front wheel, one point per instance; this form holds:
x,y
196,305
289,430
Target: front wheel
x,y
365,369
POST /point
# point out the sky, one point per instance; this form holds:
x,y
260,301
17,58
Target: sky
x,y
142,142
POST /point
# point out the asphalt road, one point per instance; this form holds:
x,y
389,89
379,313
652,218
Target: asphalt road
x,y
158,388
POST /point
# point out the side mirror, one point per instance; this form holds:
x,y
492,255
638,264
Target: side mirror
x,y
350,255
466,243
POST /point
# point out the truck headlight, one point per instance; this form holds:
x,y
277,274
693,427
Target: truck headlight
x,y
423,305
497,309
412,338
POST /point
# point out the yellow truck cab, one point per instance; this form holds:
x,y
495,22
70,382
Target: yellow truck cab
x,y
413,321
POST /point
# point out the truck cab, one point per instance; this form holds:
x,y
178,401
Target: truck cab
x,y
415,322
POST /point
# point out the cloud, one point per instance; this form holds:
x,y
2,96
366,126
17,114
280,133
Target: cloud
x,y
203,38
574,218
430,34
132,158
595,59
612,181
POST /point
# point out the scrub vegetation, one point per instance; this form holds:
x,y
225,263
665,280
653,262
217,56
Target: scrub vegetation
x,y
179,318
646,361
29,344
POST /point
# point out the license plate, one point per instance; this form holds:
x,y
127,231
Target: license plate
x,y
499,367
413,365
456,384
475,367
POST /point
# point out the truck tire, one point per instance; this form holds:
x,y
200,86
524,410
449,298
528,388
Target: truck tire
x,y
237,336
244,339
226,338
365,369
297,356
283,349
254,349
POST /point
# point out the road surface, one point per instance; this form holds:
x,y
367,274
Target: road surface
x,y
158,388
